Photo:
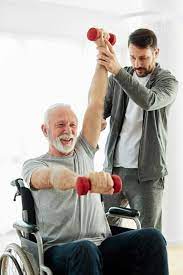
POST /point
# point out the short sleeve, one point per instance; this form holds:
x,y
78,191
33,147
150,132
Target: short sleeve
x,y
90,151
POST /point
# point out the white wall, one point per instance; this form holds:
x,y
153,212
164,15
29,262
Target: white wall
x,y
172,58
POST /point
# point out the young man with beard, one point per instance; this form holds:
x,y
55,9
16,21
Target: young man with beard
x,y
138,103
76,236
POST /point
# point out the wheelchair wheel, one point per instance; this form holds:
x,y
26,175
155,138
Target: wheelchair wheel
x,y
15,262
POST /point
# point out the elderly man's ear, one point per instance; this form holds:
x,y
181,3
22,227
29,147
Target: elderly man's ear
x,y
44,130
103,124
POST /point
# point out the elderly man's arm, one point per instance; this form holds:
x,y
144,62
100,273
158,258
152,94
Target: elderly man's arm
x,y
64,179
94,113
53,177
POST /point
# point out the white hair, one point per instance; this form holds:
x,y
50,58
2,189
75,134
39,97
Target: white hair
x,y
51,108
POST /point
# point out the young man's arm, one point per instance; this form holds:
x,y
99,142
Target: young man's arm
x,y
160,95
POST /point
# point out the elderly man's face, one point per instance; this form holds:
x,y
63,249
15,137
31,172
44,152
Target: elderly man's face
x,y
143,59
62,131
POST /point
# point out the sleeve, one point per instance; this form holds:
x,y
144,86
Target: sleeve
x,y
82,144
29,167
160,95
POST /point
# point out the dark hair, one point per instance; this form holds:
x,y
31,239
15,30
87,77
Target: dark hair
x,y
143,38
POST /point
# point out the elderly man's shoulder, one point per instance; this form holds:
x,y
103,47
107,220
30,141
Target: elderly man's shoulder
x,y
37,160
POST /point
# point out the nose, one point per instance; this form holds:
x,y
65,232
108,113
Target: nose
x,y
137,63
67,129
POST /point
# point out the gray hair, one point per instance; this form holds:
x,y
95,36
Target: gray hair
x,y
52,108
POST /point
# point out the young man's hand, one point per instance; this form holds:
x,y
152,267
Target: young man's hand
x,y
107,57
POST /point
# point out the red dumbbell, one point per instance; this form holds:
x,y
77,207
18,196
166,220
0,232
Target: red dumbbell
x,y
93,34
83,185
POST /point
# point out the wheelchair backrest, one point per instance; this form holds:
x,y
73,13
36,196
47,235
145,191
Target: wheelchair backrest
x,y
28,210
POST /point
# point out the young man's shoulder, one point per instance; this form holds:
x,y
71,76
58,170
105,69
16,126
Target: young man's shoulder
x,y
163,73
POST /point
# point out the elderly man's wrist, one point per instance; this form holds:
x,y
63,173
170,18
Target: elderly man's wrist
x,y
117,70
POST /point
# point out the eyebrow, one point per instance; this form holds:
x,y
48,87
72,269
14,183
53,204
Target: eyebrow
x,y
64,121
139,56
60,121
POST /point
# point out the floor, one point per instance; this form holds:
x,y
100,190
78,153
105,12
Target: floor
x,y
175,253
175,256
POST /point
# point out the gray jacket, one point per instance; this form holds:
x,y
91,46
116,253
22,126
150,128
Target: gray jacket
x,y
155,99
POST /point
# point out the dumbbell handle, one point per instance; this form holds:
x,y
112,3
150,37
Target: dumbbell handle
x,y
93,34
83,185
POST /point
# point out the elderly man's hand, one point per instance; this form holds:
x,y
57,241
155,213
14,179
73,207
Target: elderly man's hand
x,y
101,182
101,41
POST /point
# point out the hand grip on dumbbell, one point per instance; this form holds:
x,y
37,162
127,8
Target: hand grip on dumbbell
x,y
93,34
83,185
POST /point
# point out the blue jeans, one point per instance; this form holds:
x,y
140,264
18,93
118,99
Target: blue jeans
x,y
134,252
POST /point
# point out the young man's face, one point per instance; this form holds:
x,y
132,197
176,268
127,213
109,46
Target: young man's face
x,y
143,59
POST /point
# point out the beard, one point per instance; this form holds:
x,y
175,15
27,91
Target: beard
x,y
142,72
64,148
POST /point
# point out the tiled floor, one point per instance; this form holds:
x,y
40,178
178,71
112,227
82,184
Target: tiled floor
x,y
175,252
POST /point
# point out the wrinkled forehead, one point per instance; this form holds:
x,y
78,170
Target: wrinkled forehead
x,y
65,114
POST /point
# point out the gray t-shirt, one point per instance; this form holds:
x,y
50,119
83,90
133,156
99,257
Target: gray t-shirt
x,y
63,216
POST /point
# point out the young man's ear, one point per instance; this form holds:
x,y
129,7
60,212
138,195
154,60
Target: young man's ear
x,y
44,130
156,52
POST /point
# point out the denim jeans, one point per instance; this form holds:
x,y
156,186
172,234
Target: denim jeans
x,y
134,252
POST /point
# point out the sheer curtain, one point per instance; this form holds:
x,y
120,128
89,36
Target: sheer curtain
x,y
35,73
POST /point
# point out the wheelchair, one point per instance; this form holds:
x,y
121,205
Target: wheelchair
x,y
28,257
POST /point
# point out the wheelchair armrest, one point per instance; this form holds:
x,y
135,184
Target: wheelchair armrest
x,y
25,227
123,211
